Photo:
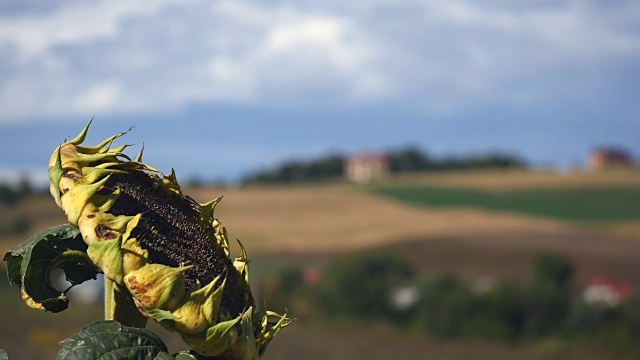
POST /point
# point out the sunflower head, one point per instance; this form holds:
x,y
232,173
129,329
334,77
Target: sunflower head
x,y
161,251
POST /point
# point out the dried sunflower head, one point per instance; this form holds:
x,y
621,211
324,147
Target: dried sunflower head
x,y
159,250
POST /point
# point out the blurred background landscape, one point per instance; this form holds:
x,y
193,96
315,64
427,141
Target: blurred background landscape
x,y
410,179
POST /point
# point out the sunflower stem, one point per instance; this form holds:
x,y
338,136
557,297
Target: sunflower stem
x,y
120,306
109,303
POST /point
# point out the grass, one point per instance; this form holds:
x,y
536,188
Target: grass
x,y
588,204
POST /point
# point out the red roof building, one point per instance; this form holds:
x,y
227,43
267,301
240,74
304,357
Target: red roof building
x,y
606,290
603,158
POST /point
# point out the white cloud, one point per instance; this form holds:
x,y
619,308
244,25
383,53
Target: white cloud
x,y
89,58
285,55
35,35
100,98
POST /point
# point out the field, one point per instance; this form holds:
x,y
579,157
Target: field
x,y
314,225
586,204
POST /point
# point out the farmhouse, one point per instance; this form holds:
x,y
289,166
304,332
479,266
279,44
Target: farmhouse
x,y
602,158
606,291
364,168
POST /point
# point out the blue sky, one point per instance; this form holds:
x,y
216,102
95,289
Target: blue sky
x,y
217,89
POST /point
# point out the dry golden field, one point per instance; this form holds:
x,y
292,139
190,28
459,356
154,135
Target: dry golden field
x,y
344,218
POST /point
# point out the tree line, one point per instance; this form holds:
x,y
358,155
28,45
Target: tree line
x,y
13,194
359,288
13,222
406,160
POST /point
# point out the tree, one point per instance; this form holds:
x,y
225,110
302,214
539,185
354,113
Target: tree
x,y
8,196
410,159
324,168
501,312
361,285
447,308
549,294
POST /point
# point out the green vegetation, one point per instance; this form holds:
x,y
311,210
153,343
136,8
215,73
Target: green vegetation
x,y
359,286
412,159
8,196
11,222
300,171
544,308
600,204
11,194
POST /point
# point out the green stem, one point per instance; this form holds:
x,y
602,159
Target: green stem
x,y
109,303
119,306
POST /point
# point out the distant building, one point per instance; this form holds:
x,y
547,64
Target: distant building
x,y
603,158
364,168
606,291
311,276
405,297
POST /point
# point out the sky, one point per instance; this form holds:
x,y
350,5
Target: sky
x,y
219,89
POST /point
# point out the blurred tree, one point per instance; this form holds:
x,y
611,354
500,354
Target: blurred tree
x,y
324,168
8,195
410,159
24,187
549,297
447,308
552,269
361,285
280,287
586,320
501,314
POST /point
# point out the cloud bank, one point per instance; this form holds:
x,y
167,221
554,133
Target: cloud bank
x,y
80,59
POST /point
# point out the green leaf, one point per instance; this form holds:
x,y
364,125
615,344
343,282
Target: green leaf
x,y
3,355
112,340
31,263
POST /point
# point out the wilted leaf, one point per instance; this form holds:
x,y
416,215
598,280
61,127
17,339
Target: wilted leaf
x,y
31,263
